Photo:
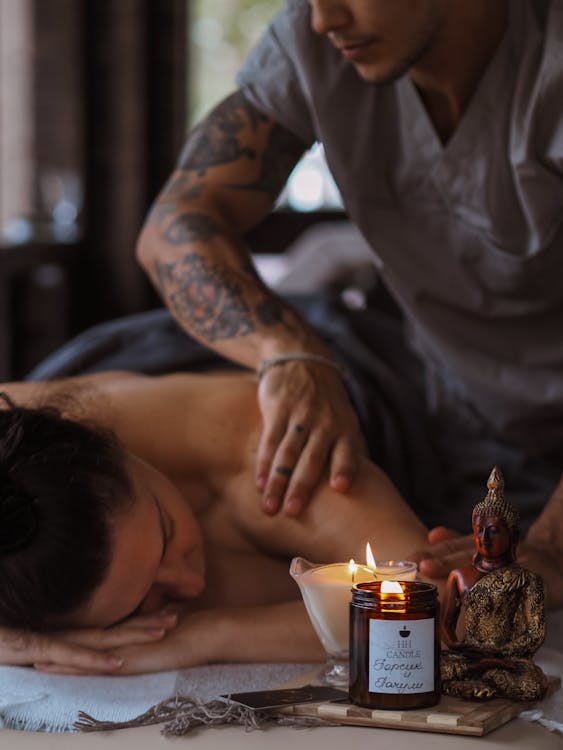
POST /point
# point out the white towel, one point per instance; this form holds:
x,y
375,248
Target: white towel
x,y
50,703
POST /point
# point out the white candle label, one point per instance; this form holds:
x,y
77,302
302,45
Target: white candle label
x,y
401,656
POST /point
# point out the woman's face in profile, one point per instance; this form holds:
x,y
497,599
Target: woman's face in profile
x,y
157,554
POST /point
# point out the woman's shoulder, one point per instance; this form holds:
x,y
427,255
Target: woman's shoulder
x,y
185,423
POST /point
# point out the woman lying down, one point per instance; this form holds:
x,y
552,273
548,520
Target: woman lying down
x,y
132,537
135,494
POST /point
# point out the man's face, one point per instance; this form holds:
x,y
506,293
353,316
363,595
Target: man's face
x,y
382,39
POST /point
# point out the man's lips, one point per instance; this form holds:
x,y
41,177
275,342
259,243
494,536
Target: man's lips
x,y
353,49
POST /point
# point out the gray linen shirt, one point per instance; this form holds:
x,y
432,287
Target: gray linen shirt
x,y
468,235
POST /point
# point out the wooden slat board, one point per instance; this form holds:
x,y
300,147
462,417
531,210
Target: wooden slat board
x,y
450,716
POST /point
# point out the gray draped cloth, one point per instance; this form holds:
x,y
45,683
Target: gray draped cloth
x,y
440,461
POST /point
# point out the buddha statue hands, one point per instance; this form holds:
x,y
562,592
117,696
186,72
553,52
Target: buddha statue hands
x,y
504,609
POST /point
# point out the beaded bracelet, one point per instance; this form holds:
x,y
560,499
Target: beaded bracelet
x,y
281,359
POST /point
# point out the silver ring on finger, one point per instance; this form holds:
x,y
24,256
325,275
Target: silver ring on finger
x,y
284,471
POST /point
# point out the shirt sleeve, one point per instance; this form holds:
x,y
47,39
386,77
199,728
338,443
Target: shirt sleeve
x,y
272,77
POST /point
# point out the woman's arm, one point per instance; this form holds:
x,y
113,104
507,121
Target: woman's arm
x,y
277,632
89,650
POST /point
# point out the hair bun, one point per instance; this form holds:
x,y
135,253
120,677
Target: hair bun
x,y
17,517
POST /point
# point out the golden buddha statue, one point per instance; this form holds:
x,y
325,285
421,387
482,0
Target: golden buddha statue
x,y
504,611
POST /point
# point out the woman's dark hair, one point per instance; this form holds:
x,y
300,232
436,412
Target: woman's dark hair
x,y
61,483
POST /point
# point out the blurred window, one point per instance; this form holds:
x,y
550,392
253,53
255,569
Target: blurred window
x,y
222,32
41,141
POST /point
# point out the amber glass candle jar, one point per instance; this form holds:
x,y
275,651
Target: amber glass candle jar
x,y
394,646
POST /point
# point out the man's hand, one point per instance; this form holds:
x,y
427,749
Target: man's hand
x,y
81,651
310,428
447,550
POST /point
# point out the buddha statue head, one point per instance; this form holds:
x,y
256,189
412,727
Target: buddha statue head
x,y
495,525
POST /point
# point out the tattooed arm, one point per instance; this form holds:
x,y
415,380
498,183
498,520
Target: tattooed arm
x,y
232,168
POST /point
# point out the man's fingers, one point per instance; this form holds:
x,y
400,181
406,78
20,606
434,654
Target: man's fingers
x,y
448,550
439,567
431,568
307,474
269,443
441,534
344,466
306,413
283,467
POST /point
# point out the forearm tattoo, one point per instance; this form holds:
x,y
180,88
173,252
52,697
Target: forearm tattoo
x,y
269,312
205,298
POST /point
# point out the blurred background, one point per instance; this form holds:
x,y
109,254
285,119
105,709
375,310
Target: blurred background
x,y
96,99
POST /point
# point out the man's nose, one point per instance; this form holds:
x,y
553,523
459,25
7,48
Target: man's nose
x,y
328,15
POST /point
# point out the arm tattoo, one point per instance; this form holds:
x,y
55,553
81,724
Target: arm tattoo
x,y
283,151
205,298
159,212
269,312
180,187
191,226
177,187
216,140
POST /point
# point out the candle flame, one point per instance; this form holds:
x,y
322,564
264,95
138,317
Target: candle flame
x,y
391,587
370,559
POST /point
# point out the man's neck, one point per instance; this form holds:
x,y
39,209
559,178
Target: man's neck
x,y
449,73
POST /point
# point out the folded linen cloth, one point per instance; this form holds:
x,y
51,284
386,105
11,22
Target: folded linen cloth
x,y
38,702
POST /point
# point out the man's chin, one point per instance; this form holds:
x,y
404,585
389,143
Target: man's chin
x,y
379,75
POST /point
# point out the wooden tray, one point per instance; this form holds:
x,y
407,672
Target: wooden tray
x,y
449,716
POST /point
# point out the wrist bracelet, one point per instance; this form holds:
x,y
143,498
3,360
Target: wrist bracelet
x,y
281,359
